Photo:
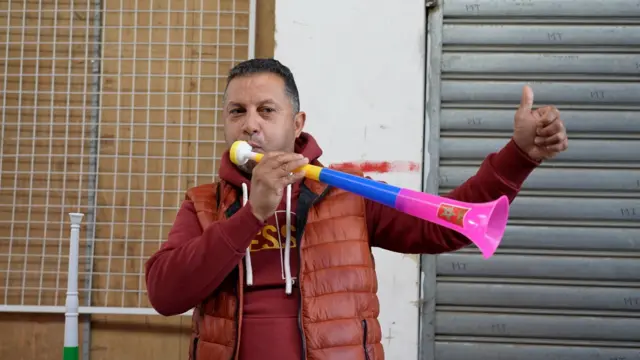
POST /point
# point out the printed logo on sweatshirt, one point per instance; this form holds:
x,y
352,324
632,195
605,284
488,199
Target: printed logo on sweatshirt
x,y
273,235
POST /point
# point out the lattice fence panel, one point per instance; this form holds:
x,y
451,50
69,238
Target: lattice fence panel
x,y
110,108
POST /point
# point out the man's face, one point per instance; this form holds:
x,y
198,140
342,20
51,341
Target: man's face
x,y
258,110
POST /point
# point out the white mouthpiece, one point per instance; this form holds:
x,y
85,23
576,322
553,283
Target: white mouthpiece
x,y
241,152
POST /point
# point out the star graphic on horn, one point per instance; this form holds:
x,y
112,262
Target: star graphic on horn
x,y
447,211
453,214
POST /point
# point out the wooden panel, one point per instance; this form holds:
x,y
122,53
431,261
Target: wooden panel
x,y
31,336
41,337
266,28
140,337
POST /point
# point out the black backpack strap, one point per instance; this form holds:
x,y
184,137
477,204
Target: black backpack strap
x,y
306,199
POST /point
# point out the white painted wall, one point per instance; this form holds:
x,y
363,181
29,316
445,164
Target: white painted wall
x,y
360,65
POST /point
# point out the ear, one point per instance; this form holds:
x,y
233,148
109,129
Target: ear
x,y
298,122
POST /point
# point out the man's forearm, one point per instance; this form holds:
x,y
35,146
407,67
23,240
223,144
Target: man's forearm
x,y
501,173
192,263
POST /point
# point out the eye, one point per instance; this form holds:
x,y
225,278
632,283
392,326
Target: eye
x,y
236,111
268,109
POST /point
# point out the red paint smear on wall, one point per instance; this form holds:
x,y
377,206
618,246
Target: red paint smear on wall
x,y
379,167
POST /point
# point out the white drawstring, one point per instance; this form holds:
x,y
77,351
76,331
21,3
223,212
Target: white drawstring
x,y
287,248
287,251
247,259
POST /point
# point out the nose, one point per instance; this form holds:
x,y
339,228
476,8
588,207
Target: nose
x,y
251,123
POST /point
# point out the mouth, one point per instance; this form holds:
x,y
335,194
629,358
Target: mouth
x,y
255,147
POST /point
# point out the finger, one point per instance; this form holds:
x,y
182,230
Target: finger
x,y
546,116
526,101
562,146
294,166
293,178
270,157
554,139
273,154
555,127
281,176
279,159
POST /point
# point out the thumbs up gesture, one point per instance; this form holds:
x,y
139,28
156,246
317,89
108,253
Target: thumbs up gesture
x,y
539,133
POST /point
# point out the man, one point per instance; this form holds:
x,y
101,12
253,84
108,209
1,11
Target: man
x,y
229,253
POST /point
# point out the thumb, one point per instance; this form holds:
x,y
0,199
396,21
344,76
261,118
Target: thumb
x,y
526,102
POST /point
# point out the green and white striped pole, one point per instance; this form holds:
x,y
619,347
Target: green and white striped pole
x,y
71,312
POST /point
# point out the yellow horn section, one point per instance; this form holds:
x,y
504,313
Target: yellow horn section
x,y
233,153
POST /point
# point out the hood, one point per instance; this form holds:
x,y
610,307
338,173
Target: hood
x,y
305,145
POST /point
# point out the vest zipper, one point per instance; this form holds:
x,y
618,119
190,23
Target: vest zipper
x,y
194,353
303,338
232,209
365,331
237,319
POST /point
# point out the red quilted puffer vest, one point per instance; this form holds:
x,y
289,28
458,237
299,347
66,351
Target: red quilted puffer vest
x,y
339,308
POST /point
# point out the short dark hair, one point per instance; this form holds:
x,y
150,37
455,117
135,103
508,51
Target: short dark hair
x,y
273,66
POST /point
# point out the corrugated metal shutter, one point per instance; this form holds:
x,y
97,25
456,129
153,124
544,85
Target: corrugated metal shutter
x,y
565,284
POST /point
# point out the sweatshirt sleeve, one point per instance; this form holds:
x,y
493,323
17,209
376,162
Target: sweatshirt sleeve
x,y
192,263
501,173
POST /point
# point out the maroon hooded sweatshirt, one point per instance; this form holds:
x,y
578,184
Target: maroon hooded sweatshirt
x,y
192,262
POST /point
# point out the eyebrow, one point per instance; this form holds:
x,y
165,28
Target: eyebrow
x,y
263,102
